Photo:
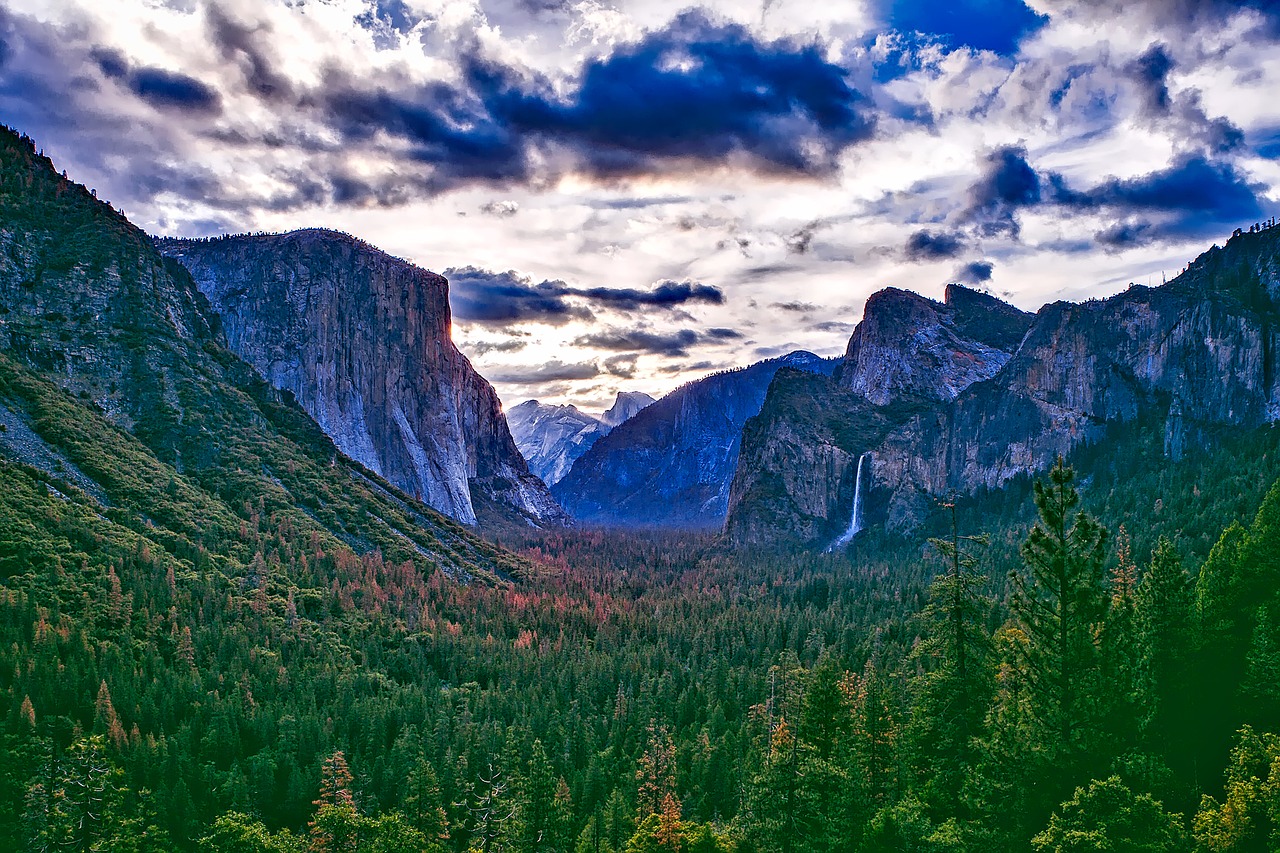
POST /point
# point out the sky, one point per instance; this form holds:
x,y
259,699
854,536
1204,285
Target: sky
x,y
629,195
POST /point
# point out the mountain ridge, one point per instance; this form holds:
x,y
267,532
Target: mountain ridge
x,y
671,464
1200,353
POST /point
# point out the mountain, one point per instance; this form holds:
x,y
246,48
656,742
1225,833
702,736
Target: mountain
x,y
671,464
973,393
551,438
362,342
625,407
119,396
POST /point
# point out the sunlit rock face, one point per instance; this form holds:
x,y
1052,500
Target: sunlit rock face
x,y
956,396
362,340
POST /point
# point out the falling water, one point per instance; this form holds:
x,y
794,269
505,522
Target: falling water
x,y
855,520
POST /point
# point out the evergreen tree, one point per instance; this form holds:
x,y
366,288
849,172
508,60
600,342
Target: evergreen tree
x,y
952,693
423,807
1060,601
1165,613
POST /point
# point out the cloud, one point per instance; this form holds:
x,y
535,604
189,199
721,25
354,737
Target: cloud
x,y
162,89
501,209
927,245
1184,114
975,272
665,294
503,298
834,326
1179,15
1151,72
1214,191
551,371
239,44
673,344
622,366
1006,183
693,93
481,348
795,306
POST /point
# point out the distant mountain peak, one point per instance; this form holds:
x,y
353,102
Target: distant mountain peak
x,y
553,437
625,406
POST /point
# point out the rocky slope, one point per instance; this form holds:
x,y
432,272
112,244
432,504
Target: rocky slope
x,y
117,392
362,341
1197,355
551,438
671,464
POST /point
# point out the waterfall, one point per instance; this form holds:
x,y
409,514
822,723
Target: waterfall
x,y
855,519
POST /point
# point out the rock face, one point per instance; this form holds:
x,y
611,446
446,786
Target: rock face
x,y
551,438
907,345
671,464
362,341
960,403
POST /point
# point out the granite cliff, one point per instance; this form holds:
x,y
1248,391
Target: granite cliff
x,y
953,404
671,464
362,341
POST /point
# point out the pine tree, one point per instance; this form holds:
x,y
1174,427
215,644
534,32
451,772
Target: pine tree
x,y
1120,690
1165,614
335,828
952,693
1060,601
656,773
423,806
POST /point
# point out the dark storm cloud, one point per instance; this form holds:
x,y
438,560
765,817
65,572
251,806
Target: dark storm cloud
x,y
695,92
1122,235
665,294
1195,186
927,245
671,344
1194,195
164,90
995,25
501,298
975,272
1151,72
1006,183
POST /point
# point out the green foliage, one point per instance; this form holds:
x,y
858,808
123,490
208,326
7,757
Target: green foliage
x,y
1107,816
1248,818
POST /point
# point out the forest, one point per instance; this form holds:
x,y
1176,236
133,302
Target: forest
x,y
1041,682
